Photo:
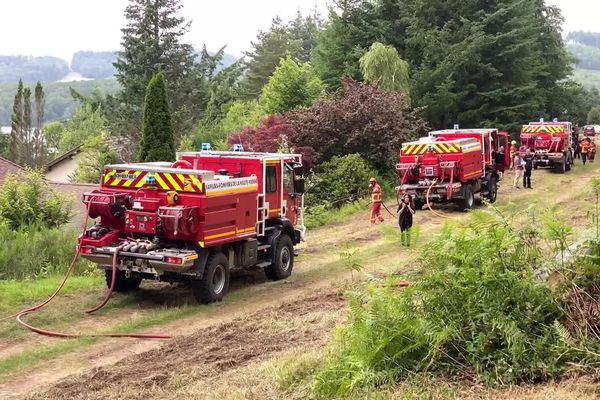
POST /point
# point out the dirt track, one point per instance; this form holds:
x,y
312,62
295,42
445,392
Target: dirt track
x,y
257,321
208,352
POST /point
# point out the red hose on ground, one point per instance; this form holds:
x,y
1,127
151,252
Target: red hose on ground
x,y
112,282
35,308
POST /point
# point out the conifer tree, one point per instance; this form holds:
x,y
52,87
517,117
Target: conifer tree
x,y
14,146
157,131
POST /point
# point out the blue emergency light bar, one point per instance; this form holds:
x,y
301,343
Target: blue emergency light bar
x,y
205,147
238,147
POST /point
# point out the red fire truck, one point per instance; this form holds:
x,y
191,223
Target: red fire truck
x,y
452,166
550,142
196,219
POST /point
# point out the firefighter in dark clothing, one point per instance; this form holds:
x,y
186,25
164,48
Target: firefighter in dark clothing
x,y
529,163
405,211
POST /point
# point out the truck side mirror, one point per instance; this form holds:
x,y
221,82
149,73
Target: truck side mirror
x,y
298,170
299,185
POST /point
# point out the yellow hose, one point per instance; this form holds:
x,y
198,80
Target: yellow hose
x,y
429,203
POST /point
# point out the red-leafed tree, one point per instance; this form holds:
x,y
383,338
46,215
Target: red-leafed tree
x,y
359,118
270,134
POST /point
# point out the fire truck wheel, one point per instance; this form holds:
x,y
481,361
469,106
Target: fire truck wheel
x,y
469,200
215,282
122,283
283,264
561,167
493,192
419,205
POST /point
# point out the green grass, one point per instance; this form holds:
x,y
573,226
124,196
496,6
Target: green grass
x,y
21,293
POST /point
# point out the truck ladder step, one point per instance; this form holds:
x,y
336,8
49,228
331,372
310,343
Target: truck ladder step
x,y
263,264
263,247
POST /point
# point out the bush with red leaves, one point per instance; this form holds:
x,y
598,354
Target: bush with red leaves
x,y
359,118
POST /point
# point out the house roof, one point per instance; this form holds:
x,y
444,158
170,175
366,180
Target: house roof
x,y
8,167
63,157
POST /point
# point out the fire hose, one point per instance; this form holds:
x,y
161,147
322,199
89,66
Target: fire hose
x,y
19,315
429,203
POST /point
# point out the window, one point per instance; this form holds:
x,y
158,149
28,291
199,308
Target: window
x,y
288,179
271,179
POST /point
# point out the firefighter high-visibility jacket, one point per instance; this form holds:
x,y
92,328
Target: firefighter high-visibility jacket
x,y
376,194
585,146
592,147
513,150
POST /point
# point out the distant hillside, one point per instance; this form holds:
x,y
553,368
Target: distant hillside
x,y
59,102
94,64
588,57
32,68
587,77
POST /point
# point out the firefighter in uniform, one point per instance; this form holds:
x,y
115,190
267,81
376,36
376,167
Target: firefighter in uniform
x,y
592,154
585,149
375,201
513,153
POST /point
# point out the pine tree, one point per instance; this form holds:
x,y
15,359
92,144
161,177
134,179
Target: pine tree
x,y
38,135
26,133
157,132
265,55
14,146
152,42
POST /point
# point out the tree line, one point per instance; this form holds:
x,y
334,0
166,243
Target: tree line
x,y
328,85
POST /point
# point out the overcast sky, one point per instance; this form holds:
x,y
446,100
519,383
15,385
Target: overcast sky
x,y
61,27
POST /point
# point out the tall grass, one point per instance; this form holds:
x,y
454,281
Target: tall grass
x,y
37,252
477,310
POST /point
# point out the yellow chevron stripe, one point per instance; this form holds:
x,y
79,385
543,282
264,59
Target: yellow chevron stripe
x,y
129,182
420,149
173,182
140,183
109,175
161,183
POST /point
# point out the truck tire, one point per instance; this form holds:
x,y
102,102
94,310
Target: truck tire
x,y
215,281
469,198
122,283
283,262
419,205
493,190
561,167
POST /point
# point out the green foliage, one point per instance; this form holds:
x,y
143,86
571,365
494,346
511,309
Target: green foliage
x,y
86,125
58,102
53,133
296,38
94,64
465,67
291,86
383,65
157,131
152,42
36,251
476,308
13,68
96,155
593,116
340,180
588,57
351,260
27,200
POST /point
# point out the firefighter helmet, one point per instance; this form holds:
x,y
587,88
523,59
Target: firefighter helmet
x,y
372,180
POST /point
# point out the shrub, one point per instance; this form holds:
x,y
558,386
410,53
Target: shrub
x,y
477,310
37,251
340,180
26,200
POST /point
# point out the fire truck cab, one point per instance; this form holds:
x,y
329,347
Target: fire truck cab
x,y
196,219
